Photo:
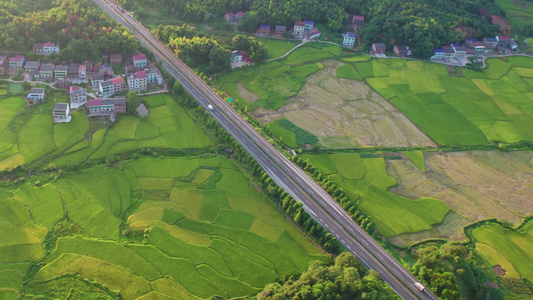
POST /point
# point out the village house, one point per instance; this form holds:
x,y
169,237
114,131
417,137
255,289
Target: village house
x,y
402,51
309,25
140,61
238,16
110,87
36,94
153,76
378,48
60,72
438,54
478,47
348,39
280,30
230,17
459,50
63,83
46,71
513,45
105,70
96,80
17,62
358,20
73,71
263,30
236,57
137,81
314,34
106,107
82,72
490,43
299,28
129,69
115,58
503,41
78,96
50,48
37,48
31,66
449,52
61,113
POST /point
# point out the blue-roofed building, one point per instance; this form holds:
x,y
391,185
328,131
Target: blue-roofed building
x,y
349,39
263,29
309,25
438,54
469,41
455,45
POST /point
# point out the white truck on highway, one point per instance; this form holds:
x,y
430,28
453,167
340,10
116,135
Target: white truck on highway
x,y
210,107
419,286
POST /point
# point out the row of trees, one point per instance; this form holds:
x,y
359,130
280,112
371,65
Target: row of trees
x,y
257,51
79,27
421,25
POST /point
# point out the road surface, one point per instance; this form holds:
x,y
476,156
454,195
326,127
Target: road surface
x,y
320,205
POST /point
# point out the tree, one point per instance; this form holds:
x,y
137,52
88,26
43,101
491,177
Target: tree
x,y
132,101
250,22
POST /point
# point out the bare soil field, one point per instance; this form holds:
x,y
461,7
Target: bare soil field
x,y
344,112
246,94
475,185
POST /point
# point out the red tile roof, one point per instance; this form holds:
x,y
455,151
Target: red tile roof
x,y
74,88
94,102
141,74
139,57
229,15
17,58
359,18
240,14
49,44
299,23
117,80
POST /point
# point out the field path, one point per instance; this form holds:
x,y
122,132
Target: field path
x,y
289,52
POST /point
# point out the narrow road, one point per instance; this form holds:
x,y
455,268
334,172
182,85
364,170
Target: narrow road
x,y
321,206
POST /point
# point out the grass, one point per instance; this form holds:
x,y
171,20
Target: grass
x,y
417,158
519,12
513,245
284,135
276,48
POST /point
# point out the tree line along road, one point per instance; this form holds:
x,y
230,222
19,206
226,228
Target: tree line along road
x,y
320,205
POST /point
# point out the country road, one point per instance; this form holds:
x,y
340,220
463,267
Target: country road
x,y
321,206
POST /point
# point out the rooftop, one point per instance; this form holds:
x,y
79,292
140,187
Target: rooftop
x,y
32,64
94,102
379,45
299,23
139,57
47,67
309,22
502,38
17,58
61,106
350,34
141,74
359,18
314,32
96,77
61,69
264,26
438,50
106,83
240,14
37,91
117,80
230,14
49,44
490,40
74,88
115,56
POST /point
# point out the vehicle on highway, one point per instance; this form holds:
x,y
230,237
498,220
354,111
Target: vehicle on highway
x,y
419,286
210,107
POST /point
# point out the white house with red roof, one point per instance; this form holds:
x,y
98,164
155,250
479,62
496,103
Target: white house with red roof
x,y
138,81
358,20
230,17
106,107
140,61
110,87
50,48
299,28
17,62
238,16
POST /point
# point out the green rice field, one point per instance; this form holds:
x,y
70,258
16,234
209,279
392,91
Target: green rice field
x,y
492,105
519,12
276,48
508,248
365,180
207,231
278,80
32,137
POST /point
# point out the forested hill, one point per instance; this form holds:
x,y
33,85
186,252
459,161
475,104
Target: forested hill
x,y
79,27
422,25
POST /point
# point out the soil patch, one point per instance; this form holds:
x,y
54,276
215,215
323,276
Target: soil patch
x,y
246,94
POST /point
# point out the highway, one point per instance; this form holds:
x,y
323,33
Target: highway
x,y
320,205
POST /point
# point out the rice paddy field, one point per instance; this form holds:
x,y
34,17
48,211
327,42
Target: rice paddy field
x,y
366,181
487,106
519,12
199,229
31,136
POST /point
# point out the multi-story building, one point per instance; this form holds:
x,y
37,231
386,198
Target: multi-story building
x,y
110,87
378,48
299,28
263,29
78,96
50,48
236,57
438,54
402,50
82,72
31,66
46,71
358,20
63,83
115,58
449,52
17,62
153,76
348,39
314,34
60,72
137,81
238,16
140,61
36,94
96,80
61,113
309,25
280,30
106,107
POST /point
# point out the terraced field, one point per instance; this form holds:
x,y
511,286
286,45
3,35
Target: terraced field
x,y
31,137
201,230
